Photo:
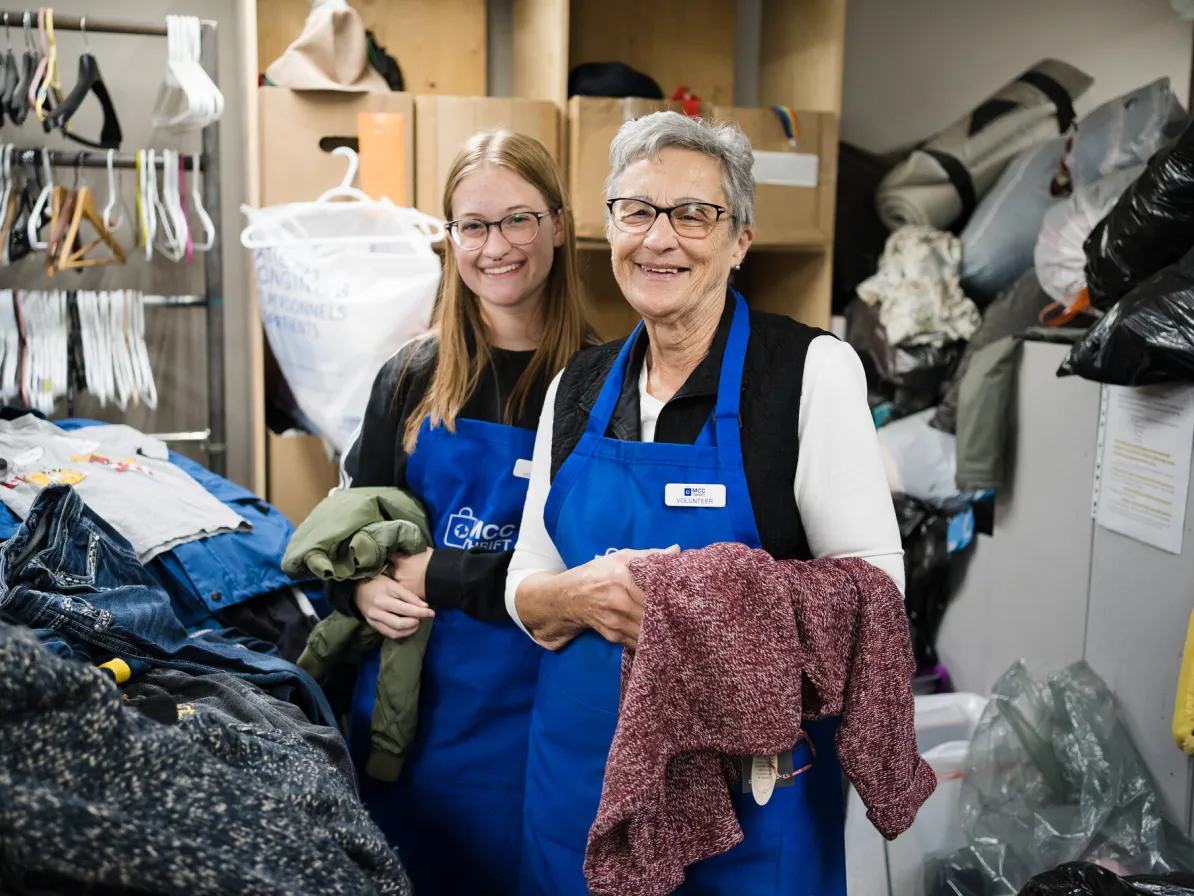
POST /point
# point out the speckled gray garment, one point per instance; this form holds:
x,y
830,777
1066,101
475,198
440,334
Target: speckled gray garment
x,y
96,797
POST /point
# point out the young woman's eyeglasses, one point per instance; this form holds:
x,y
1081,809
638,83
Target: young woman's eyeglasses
x,y
519,228
691,219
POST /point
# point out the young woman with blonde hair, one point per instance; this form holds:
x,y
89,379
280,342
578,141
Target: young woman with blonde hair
x,y
452,420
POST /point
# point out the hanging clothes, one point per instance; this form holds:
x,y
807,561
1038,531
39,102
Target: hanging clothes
x,y
794,844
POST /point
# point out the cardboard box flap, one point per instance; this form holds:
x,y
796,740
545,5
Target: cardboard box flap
x,y
299,130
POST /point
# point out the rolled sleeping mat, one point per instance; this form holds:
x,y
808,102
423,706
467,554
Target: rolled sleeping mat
x,y
941,182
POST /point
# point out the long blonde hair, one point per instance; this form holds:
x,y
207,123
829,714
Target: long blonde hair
x,y
565,327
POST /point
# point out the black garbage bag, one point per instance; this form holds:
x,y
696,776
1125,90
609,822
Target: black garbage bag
x,y
912,378
1146,338
1083,879
1150,227
929,571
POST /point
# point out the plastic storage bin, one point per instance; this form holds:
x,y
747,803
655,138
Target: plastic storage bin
x,y
876,867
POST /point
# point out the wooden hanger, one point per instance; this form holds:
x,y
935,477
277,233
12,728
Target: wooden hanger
x,y
84,208
61,205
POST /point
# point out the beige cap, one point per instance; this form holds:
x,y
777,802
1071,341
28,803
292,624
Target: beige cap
x,y
331,54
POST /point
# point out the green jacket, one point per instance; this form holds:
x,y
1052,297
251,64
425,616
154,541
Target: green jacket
x,y
349,536
351,532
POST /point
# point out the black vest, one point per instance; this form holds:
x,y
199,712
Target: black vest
x,y
772,378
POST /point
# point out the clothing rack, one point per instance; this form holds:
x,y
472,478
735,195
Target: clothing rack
x,y
213,273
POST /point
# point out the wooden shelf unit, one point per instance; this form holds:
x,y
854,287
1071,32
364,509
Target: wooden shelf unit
x,y
443,47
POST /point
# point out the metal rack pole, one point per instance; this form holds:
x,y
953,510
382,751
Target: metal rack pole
x,y
92,158
213,270
98,26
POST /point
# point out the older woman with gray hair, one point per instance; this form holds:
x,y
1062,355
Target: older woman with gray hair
x,y
767,415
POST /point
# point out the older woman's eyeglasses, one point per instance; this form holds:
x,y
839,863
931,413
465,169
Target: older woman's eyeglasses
x,y
518,228
691,219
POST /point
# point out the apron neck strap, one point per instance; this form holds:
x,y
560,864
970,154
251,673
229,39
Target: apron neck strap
x,y
607,400
729,386
729,389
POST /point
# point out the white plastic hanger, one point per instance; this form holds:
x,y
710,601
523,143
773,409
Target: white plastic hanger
x,y
167,243
40,204
172,197
142,369
12,345
91,377
209,229
122,365
188,98
346,190
146,186
101,314
113,197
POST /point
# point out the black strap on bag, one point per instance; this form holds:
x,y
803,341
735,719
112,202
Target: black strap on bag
x,y
1059,96
961,180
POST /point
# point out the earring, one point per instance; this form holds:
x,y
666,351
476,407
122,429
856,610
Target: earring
x,y
737,267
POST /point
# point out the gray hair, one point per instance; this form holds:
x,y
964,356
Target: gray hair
x,y
646,137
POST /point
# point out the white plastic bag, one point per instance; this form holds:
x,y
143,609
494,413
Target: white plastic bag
x,y
341,286
1059,257
920,460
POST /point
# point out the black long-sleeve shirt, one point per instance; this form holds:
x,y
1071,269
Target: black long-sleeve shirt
x,y
469,580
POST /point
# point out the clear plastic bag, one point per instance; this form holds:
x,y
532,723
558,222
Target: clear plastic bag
x,y
1053,777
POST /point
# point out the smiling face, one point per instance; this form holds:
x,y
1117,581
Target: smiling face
x,y
664,275
501,274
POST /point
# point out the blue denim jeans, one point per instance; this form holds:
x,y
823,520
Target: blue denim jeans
x,y
71,576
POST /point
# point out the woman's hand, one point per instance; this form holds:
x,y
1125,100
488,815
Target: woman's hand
x,y
600,595
410,571
390,607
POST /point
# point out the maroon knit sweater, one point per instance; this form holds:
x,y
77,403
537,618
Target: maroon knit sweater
x,y
728,636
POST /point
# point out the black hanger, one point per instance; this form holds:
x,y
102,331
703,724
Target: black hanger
x,y
89,81
18,103
18,236
9,75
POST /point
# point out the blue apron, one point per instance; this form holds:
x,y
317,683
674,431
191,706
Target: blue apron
x,y
609,494
455,814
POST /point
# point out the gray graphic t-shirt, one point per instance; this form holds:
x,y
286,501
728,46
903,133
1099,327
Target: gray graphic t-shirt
x,y
123,475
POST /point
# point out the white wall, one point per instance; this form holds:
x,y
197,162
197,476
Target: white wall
x,y
914,66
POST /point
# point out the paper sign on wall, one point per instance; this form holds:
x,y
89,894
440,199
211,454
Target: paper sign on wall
x,y
786,169
1142,475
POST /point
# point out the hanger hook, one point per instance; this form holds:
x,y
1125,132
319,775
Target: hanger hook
x,y
83,31
78,167
353,163
28,30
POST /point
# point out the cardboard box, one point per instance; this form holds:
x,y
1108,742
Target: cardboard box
x,y
593,123
444,123
791,216
300,128
300,474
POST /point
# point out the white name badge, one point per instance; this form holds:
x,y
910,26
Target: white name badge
x,y
678,494
522,468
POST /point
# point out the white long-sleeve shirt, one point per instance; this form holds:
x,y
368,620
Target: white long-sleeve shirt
x,y
841,489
